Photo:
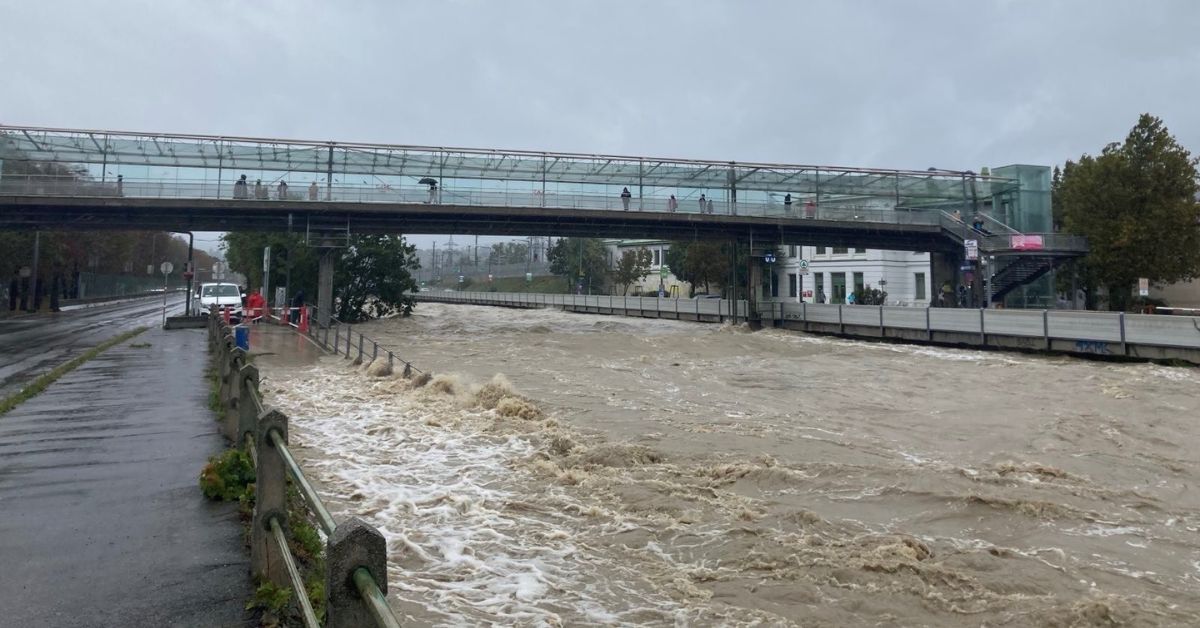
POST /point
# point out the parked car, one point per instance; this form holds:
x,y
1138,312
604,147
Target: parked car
x,y
220,295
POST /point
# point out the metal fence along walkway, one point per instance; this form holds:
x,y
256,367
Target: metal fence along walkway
x,y
1113,334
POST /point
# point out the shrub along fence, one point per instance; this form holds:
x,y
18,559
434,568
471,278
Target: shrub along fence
x,y
355,552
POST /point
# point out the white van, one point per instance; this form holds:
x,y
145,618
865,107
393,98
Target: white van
x,y
220,295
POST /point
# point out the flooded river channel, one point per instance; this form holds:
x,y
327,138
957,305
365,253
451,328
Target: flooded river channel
x,y
573,469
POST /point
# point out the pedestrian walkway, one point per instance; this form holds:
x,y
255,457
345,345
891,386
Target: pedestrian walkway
x,y
101,519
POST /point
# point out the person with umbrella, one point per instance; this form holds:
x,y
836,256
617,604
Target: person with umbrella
x,y
432,183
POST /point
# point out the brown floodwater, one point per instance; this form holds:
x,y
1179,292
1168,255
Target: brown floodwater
x,y
573,469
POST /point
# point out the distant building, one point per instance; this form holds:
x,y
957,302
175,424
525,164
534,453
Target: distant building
x,y
671,285
836,271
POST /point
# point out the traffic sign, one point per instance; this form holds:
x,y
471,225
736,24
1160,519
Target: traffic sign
x,y
1143,287
663,271
166,268
769,258
972,249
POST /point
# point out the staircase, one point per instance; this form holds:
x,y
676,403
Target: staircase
x,y
1018,272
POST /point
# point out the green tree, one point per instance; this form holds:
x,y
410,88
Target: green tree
x,y
372,276
509,253
706,263
582,260
632,267
1136,203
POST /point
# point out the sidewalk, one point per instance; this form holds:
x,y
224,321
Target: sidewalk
x,y
102,522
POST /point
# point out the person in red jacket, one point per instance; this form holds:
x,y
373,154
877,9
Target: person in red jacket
x,y
254,306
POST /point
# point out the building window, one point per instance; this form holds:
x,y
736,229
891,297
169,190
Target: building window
x,y
839,287
820,250
839,250
793,288
791,250
919,292
656,262
774,285
860,251
819,287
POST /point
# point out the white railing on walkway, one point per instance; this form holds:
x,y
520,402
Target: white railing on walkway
x,y
1107,327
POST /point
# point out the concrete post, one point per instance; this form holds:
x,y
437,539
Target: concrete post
x,y
325,287
353,544
247,420
270,495
229,410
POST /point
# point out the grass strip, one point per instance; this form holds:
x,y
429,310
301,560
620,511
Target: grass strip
x,y
38,385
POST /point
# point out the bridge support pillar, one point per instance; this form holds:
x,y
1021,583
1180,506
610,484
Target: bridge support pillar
x,y
325,287
943,271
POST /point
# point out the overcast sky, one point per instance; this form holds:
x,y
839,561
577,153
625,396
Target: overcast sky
x,y
954,84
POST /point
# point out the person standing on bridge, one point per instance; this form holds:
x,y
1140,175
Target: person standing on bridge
x,y
703,206
672,204
312,191
239,189
433,192
260,192
625,198
710,206
283,190
787,203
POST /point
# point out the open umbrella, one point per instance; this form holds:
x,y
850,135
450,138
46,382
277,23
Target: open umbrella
x,y
427,181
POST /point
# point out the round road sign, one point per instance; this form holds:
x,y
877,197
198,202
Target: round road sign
x,y
166,268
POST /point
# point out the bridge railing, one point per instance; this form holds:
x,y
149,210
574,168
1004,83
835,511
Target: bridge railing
x,y
355,552
366,192
997,237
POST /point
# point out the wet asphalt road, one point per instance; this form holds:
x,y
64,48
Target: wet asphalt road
x,y
101,519
32,345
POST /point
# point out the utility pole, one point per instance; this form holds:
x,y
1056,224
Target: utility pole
x,y
33,282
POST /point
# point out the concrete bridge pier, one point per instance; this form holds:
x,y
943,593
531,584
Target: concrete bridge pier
x,y
325,287
943,268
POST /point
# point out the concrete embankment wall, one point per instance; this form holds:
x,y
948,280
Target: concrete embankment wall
x,y
1093,334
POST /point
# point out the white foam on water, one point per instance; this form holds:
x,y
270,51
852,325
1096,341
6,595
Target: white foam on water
x,y
465,543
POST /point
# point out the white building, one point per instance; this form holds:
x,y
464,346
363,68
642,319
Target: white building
x,y
833,272
671,285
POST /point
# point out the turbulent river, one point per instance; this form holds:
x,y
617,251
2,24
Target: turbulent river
x,y
572,469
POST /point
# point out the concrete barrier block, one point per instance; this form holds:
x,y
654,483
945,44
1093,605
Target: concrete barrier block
x,y
353,544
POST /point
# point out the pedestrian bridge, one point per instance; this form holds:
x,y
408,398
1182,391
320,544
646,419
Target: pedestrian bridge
x,y
87,179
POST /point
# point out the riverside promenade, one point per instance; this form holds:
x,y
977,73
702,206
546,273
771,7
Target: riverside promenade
x,y
102,522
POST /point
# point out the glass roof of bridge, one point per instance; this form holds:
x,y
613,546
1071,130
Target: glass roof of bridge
x,y
86,147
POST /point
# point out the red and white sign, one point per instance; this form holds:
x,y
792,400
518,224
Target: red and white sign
x,y
1027,242
808,293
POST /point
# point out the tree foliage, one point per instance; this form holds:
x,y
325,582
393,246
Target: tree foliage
x,y
509,253
372,277
1136,203
632,267
580,260
706,264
